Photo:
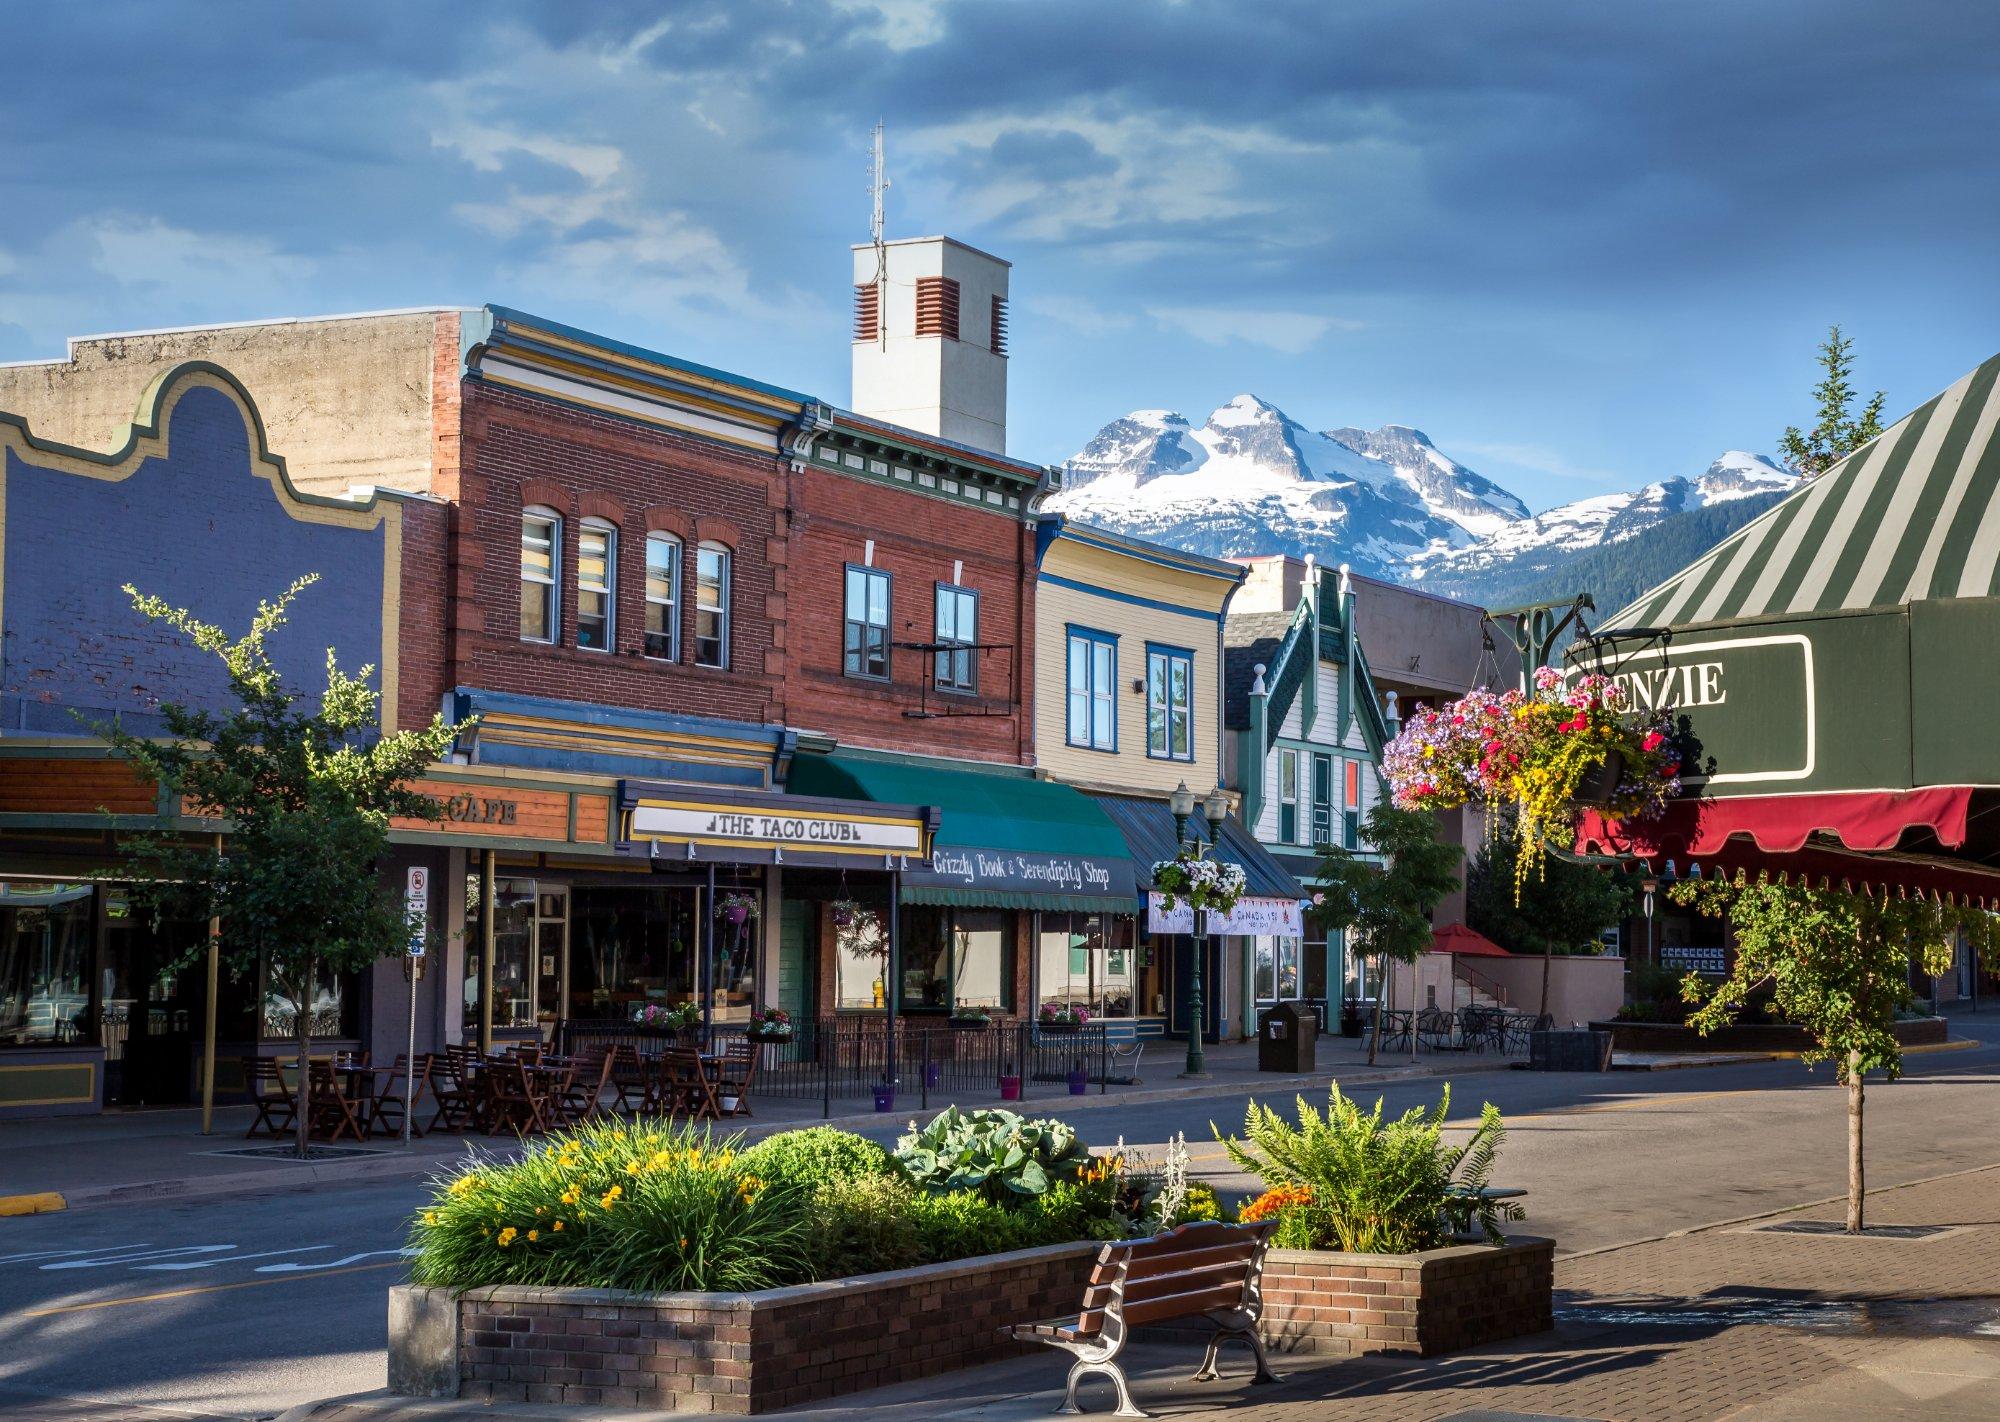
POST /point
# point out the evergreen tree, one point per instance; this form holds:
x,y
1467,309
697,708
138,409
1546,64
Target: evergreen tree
x,y
1387,907
305,791
1835,433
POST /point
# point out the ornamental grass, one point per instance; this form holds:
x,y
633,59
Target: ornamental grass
x,y
654,1205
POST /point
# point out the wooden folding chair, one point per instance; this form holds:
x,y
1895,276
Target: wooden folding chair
x,y
454,1087
590,1074
734,1073
331,1112
632,1079
276,1103
514,1099
388,1108
682,1085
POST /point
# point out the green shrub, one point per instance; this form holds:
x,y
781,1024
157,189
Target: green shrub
x,y
996,1153
957,1224
655,1205
863,1225
817,1156
1368,1187
1201,1204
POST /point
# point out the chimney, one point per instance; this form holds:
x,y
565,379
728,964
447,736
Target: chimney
x,y
930,339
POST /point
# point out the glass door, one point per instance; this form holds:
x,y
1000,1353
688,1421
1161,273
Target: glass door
x,y
551,964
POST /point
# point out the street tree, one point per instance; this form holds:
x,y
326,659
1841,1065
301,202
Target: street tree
x,y
1386,907
1836,964
1560,909
303,789
1836,431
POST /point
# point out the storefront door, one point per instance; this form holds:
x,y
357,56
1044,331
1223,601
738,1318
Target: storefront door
x,y
1182,948
150,1015
551,954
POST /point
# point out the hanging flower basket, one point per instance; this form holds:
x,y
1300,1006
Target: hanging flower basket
x,y
1545,755
737,909
845,912
772,1024
1206,885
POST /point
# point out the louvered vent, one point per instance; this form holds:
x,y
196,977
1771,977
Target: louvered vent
x,y
937,307
867,312
999,346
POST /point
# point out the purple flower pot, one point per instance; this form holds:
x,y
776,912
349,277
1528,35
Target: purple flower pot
x,y
736,914
1010,1088
1079,1083
843,918
885,1098
933,1074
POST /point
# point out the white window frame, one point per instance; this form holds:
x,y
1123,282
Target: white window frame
x,y
551,585
1165,659
1098,692
672,601
608,588
1288,757
722,619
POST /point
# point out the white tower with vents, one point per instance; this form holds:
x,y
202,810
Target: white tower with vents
x,y
930,339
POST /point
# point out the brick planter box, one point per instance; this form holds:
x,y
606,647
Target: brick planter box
x,y
735,1353
1318,1301
1749,1036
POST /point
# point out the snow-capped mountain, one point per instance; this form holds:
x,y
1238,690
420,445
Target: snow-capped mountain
x,y
1250,480
1253,480
1546,539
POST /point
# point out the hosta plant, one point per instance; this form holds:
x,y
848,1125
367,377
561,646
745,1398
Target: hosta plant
x,y
1347,1180
997,1153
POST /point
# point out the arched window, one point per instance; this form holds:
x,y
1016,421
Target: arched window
x,y
541,561
711,605
596,585
663,597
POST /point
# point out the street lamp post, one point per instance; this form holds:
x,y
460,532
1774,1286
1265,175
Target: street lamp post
x,y
1214,809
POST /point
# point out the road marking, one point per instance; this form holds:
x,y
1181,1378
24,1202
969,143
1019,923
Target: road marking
x,y
329,1265
142,1253
202,1289
237,1258
35,1254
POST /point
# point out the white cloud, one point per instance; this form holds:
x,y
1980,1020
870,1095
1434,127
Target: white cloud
x,y
899,24
1540,459
486,148
1287,332
146,251
1080,315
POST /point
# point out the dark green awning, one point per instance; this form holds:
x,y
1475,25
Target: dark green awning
x,y
1003,841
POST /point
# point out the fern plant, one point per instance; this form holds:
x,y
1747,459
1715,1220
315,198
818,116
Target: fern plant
x,y
1355,1183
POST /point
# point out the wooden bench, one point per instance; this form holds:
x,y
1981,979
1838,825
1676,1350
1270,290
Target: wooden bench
x,y
1207,1270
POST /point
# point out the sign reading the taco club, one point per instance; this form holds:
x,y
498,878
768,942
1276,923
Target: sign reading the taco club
x,y
732,824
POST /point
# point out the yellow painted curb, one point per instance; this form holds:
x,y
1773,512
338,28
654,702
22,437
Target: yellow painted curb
x,y
46,1203
1958,1044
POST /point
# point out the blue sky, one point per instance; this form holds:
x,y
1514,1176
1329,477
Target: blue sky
x,y
1583,245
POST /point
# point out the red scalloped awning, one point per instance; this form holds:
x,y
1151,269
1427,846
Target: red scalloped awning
x,y
1769,833
1862,820
1466,943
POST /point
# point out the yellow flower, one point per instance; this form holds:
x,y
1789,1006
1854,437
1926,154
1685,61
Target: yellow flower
x,y
632,1167
558,1226
684,1242
507,1236
464,1185
430,1217
610,1197
533,1235
572,1195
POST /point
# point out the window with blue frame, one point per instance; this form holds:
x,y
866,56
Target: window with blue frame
x,y
1169,703
1093,689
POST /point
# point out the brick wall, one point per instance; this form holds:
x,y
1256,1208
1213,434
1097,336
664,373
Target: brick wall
x,y
516,451
917,542
734,1353
1420,1304
423,614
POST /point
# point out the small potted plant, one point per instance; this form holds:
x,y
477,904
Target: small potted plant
x,y
771,1024
1062,1016
1350,1017
736,909
1079,1079
846,912
1010,1082
969,1017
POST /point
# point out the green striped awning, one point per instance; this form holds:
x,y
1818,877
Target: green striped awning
x,y
1912,515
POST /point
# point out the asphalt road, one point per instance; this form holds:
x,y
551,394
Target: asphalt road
x,y
242,1307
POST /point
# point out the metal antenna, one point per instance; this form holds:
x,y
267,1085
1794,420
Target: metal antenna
x,y
878,184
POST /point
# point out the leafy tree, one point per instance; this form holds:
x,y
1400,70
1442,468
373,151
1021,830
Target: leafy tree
x,y
1387,907
1560,910
306,792
1836,433
1838,965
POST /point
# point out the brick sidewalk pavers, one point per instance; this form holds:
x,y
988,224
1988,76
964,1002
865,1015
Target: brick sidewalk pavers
x,y
1631,1340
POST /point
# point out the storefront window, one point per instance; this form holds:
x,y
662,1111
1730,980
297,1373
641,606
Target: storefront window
x,y
1277,969
336,1006
861,956
46,944
952,956
1088,960
630,947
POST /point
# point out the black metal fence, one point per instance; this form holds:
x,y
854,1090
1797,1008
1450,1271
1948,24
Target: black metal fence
x,y
842,1059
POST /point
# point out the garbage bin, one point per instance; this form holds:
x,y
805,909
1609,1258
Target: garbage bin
x,y
1287,1038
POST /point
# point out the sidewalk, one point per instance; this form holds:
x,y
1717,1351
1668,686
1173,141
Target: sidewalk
x,y
1733,1322
149,1155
